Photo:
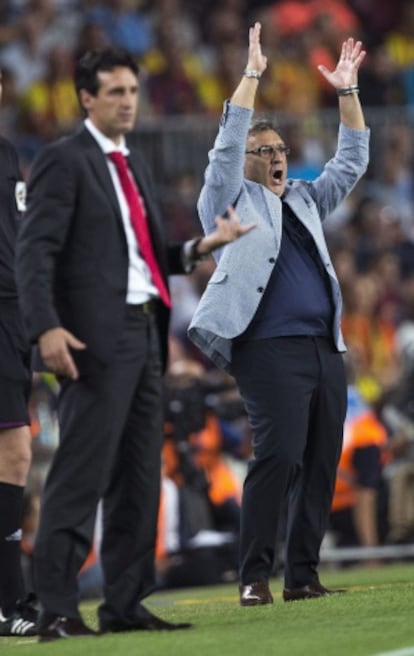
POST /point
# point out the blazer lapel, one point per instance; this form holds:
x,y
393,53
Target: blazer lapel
x,y
303,210
99,166
274,208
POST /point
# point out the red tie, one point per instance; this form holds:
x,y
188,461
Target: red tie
x,y
139,223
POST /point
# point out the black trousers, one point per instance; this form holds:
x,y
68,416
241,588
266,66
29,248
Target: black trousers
x,y
294,390
110,443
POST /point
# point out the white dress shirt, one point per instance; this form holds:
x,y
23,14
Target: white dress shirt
x,y
140,286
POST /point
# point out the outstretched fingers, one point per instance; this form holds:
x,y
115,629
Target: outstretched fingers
x,y
352,52
256,59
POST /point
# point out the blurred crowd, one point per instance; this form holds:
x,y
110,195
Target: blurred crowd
x,y
191,55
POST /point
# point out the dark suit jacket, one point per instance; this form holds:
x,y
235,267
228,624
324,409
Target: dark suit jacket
x,y
72,256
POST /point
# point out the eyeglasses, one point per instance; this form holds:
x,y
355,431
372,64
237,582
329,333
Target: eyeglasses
x,y
269,151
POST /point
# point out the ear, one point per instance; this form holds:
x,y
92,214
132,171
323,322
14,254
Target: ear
x,y
85,99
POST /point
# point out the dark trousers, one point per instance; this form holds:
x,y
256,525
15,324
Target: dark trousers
x,y
294,390
110,443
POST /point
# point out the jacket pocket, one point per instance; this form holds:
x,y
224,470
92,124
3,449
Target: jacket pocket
x,y
217,277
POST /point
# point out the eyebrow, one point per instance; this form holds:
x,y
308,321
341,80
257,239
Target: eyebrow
x,y
123,89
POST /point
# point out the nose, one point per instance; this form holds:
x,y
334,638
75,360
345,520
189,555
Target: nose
x,y
129,99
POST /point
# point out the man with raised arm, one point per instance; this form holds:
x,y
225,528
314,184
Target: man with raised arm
x,y
271,316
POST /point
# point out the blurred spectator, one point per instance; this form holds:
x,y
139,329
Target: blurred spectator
x,y
387,268
323,24
91,36
407,293
306,157
208,69
400,46
394,239
50,107
9,105
38,28
354,515
331,23
171,77
294,16
124,23
393,184
60,19
363,230
376,23
185,300
380,80
174,16
219,81
200,505
8,30
290,83
343,258
223,24
398,413
179,203
25,57
370,336
43,413
400,40
338,225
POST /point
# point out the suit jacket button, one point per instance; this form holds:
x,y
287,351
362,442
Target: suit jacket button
x,y
260,290
272,260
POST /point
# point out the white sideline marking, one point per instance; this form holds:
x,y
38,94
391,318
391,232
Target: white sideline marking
x,y
406,651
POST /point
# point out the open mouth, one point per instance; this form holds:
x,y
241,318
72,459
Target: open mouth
x,y
277,175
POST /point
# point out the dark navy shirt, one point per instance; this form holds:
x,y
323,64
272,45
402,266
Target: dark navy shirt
x,y
297,299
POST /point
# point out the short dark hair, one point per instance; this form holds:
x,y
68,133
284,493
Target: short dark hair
x,y
262,125
95,61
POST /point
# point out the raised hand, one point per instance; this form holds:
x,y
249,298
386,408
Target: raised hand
x,y
346,71
227,230
230,229
256,60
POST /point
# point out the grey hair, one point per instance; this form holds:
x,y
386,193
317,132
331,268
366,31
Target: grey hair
x,y
262,125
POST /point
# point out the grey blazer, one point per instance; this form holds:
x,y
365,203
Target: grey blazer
x,y
236,288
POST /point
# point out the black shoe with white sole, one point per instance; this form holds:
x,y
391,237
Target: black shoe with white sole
x,y
22,621
16,625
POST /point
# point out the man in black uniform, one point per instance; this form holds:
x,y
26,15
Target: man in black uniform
x,y
17,614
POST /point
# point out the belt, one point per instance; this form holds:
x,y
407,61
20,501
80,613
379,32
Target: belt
x,y
142,308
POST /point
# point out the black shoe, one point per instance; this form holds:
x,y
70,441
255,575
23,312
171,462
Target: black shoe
x,y
22,622
310,591
149,622
255,594
54,627
15,625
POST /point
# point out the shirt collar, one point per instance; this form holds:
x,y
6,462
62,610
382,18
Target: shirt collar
x,y
104,143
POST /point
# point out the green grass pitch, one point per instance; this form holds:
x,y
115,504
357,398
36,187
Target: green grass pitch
x,y
376,616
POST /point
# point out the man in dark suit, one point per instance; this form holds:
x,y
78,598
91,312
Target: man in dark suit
x,y
17,613
92,265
